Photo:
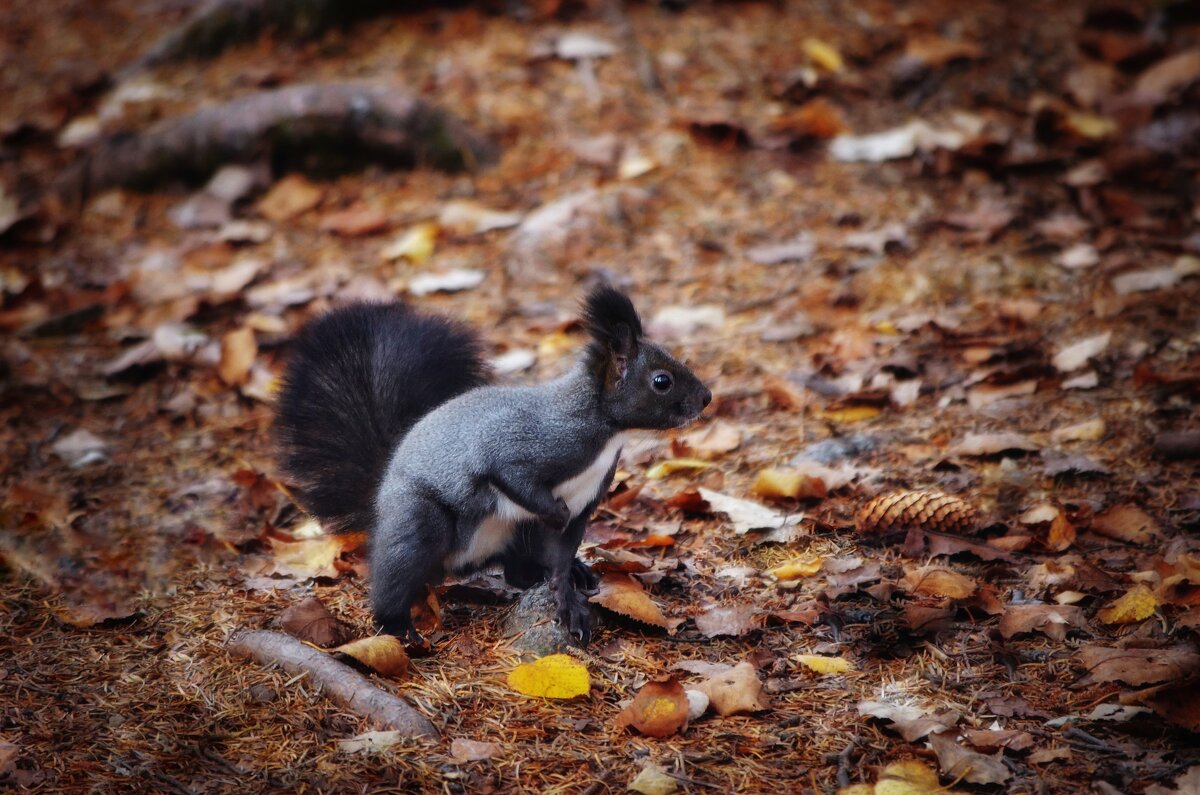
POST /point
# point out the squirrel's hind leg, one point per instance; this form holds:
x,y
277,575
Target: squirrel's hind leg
x,y
413,538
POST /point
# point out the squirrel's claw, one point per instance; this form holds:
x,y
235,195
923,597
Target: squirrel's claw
x,y
574,615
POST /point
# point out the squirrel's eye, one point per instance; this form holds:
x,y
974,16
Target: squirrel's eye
x,y
661,382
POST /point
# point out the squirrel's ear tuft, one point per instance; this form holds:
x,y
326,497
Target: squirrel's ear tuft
x,y
614,326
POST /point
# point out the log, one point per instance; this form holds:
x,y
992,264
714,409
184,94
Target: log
x,y
316,127
341,682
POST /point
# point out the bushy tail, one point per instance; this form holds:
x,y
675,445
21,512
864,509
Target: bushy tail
x,y
357,380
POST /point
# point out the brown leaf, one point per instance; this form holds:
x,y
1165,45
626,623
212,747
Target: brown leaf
x,y
956,761
659,710
288,198
987,444
911,723
463,750
997,739
713,440
775,483
354,221
1161,81
383,654
736,691
1053,620
626,596
734,620
923,619
312,622
920,542
238,351
1137,666
1127,523
939,582
1177,702
99,609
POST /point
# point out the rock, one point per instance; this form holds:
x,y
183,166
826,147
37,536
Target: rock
x,y
532,627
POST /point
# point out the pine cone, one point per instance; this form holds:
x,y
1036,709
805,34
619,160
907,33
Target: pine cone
x,y
929,510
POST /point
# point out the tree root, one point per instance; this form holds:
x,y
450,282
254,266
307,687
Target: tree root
x,y
345,685
315,127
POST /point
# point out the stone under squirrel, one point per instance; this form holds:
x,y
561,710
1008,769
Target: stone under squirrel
x,y
388,422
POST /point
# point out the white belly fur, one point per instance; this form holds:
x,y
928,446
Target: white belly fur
x,y
494,532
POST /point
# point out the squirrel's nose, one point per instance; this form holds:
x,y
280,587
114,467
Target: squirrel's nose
x,y
707,397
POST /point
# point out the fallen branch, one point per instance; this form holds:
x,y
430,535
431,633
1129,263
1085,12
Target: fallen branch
x,y
345,685
218,24
320,127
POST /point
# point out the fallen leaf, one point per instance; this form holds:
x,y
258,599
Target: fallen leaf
x,y
471,218
1053,620
851,414
956,761
987,444
801,249
80,448
1127,523
653,780
452,281
1177,702
823,54
737,690
626,596
797,569
1078,354
1046,755
309,557
1086,431
238,351
713,440
911,722
288,198
735,620
1137,604
354,221
1144,281
672,465
910,777
463,750
679,322
556,676
310,621
776,483
938,582
897,143
660,709
370,742
1137,666
98,609
1168,76
416,244
997,739
824,665
383,654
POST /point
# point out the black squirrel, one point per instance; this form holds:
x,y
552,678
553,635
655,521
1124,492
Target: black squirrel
x,y
388,422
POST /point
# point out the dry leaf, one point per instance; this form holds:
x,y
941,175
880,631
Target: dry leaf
x,y
713,440
912,723
796,569
956,761
824,665
737,690
289,197
788,483
1127,523
910,777
310,557
653,780
823,54
463,750
659,710
985,444
1076,355
626,596
1138,604
556,676
371,742
383,654
416,244
672,465
310,621
744,514
1053,620
466,217
354,221
938,582
1138,666
735,620
453,281
238,351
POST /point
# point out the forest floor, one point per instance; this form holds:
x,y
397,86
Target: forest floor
x,y
997,300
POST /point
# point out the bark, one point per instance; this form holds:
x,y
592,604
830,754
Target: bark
x,y
342,683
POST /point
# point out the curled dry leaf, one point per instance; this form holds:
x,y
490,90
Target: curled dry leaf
x,y
463,750
653,780
737,690
659,710
1137,604
310,621
744,514
986,444
938,582
556,676
796,569
370,742
310,557
383,654
626,596
734,620
956,761
713,440
354,221
1127,523
788,484
672,465
238,351
1078,354
926,510
416,244
288,198
912,723
824,665
1053,620
1138,666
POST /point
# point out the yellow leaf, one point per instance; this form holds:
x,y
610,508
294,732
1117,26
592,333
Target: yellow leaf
x,y
556,344
673,465
1137,604
909,777
238,350
852,414
857,789
416,244
776,483
824,665
384,654
1091,125
823,55
794,570
556,676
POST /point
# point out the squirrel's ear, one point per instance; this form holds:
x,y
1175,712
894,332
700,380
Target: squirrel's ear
x,y
614,325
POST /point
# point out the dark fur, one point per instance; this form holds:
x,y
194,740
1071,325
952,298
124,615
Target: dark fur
x,y
357,379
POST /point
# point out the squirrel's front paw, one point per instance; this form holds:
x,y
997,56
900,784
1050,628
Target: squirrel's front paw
x,y
558,517
574,614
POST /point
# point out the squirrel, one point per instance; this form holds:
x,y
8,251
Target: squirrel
x,y
389,421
